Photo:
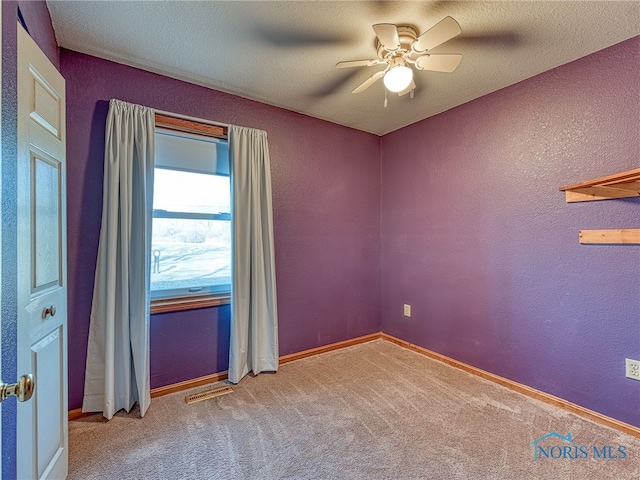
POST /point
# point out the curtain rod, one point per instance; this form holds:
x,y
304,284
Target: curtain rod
x,y
192,119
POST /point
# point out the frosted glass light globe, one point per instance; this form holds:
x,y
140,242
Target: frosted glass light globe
x,y
398,78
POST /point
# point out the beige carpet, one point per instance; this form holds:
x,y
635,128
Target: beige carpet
x,y
372,411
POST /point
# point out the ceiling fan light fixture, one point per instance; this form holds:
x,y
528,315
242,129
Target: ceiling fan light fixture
x,y
401,49
398,78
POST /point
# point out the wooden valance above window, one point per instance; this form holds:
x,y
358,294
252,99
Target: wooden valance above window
x,y
191,126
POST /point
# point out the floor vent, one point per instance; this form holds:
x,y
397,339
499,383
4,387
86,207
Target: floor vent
x,y
216,392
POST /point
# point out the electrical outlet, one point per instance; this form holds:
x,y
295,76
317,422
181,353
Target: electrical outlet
x,y
407,310
633,368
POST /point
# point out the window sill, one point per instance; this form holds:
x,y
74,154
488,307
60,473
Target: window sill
x,y
189,303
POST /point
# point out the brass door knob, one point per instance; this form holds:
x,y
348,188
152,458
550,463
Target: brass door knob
x,y
23,389
49,311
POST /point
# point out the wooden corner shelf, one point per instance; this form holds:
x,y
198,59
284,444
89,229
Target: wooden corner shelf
x,y
621,185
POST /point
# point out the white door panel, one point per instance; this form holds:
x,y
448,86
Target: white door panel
x,y
42,445
49,372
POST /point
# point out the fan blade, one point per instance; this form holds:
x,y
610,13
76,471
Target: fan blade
x,y
369,81
408,89
387,33
357,63
445,62
442,31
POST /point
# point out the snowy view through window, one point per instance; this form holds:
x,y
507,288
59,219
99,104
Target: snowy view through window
x,y
189,252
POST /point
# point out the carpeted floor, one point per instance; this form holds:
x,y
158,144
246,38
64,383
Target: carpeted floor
x,y
372,411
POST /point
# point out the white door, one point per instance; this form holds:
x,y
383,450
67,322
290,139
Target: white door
x,y
42,446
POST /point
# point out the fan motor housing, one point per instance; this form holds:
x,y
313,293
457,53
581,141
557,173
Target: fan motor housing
x,y
407,35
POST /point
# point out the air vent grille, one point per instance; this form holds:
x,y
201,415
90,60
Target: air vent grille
x,y
216,392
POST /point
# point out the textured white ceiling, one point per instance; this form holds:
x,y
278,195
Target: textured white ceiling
x,y
284,53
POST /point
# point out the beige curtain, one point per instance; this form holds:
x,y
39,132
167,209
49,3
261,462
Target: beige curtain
x,y
117,369
254,318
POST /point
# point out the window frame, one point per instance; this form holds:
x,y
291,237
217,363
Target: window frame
x,y
211,297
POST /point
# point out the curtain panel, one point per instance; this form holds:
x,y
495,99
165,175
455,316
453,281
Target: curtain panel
x,y
117,368
254,319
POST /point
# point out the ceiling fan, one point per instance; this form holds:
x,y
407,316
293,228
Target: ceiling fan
x,y
400,46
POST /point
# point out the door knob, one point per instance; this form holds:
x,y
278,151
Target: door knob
x,y
23,389
49,311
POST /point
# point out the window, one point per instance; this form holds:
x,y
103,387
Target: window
x,y
191,243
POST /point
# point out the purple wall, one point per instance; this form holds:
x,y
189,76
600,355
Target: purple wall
x,y
478,239
9,228
326,197
36,17
189,344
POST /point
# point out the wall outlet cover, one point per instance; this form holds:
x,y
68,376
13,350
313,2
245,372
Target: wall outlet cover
x,y
632,368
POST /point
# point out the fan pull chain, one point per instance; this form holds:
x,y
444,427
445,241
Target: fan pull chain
x,y
385,98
